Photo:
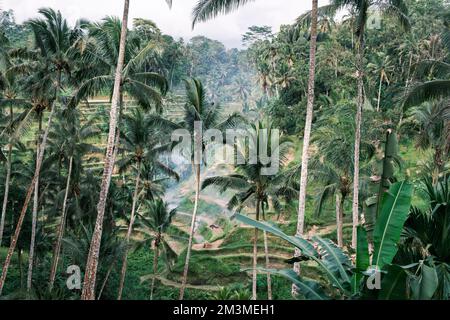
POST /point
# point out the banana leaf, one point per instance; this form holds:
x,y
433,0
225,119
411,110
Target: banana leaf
x,y
310,289
425,285
393,284
305,247
394,212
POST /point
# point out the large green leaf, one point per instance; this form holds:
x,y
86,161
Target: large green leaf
x,y
362,258
425,285
443,271
362,250
329,263
311,290
393,284
394,212
305,247
335,260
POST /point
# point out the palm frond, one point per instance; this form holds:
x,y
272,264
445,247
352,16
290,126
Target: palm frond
x,y
224,183
208,9
432,90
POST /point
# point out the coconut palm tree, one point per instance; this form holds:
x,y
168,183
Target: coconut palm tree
x,y
257,189
10,98
199,116
153,224
431,121
332,164
207,9
426,238
67,144
307,132
140,144
92,261
55,45
438,88
77,244
381,67
100,57
361,11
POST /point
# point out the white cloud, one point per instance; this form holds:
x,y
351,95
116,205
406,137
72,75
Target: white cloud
x,y
176,22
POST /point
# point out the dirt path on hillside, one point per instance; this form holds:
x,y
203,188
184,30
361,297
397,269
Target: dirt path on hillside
x,y
173,284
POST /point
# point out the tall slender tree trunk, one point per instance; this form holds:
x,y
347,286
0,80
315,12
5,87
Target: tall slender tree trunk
x,y
339,220
379,93
117,142
29,193
129,232
196,168
266,254
108,274
5,197
307,134
155,266
255,266
19,261
402,112
255,257
8,178
61,228
34,212
269,278
360,104
88,292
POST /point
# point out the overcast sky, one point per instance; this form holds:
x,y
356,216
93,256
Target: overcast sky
x,y
176,22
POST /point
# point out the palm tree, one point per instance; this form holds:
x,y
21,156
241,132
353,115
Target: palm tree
x,y
256,189
361,10
153,224
208,9
307,133
77,244
425,237
199,115
67,143
92,261
432,122
140,144
10,98
381,67
55,45
331,166
100,56
434,89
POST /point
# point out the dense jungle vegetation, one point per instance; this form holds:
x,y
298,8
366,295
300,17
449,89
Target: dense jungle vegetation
x,y
359,208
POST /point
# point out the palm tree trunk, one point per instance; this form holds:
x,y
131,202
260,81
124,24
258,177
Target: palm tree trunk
x,y
269,279
15,237
129,232
360,104
402,112
34,213
119,121
19,261
196,168
5,197
255,258
155,268
255,265
60,229
102,288
307,134
379,93
339,220
88,292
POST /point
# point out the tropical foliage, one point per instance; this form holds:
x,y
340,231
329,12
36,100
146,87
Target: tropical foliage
x,y
339,189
